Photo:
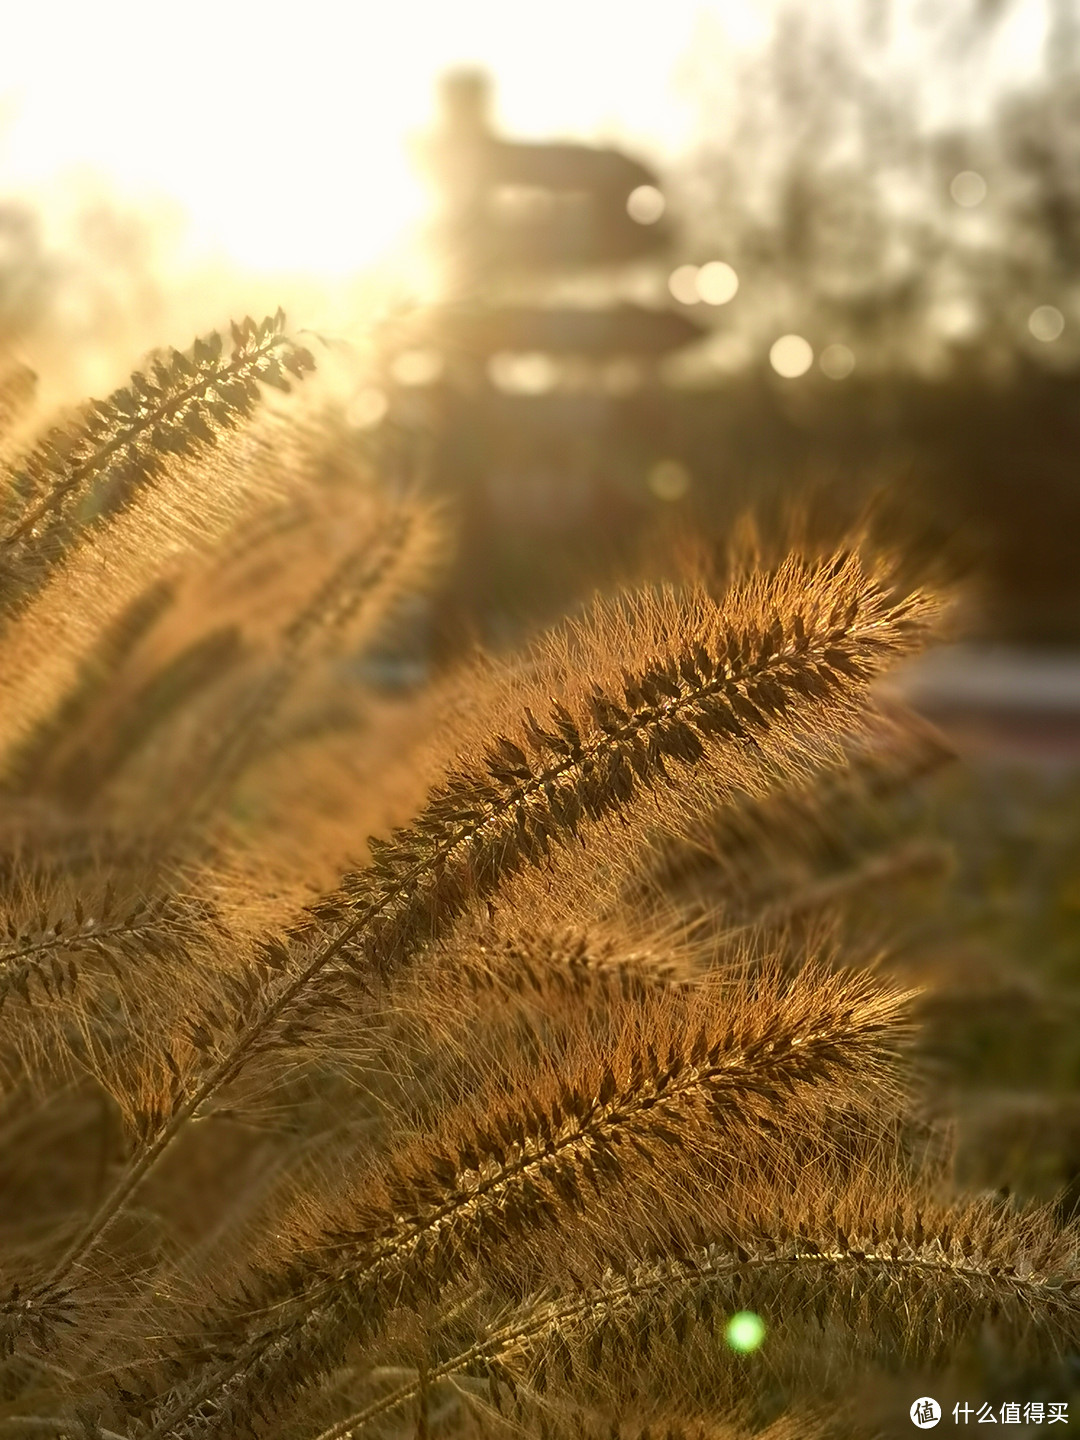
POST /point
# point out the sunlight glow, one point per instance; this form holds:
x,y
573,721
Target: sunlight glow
x,y
367,409
529,373
956,317
418,367
280,171
289,138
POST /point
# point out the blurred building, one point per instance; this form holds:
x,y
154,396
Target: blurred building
x,y
522,377
510,207
540,391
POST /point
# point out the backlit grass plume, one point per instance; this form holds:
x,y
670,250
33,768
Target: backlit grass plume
x,y
121,444
933,1279
400,1043
643,710
879,1267
687,698
127,477
719,1075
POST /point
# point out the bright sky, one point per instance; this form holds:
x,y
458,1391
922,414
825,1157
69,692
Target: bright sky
x,y
281,129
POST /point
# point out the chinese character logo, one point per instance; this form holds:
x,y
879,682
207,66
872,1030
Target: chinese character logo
x,y
925,1413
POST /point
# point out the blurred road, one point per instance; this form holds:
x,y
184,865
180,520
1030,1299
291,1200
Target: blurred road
x,y
1002,702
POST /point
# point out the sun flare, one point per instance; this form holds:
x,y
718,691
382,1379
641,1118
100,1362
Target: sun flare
x,y
304,168
286,137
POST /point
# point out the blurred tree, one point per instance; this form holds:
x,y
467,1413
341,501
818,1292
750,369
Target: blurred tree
x,y
859,206
904,181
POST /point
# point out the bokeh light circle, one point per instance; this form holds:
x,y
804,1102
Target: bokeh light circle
x,y
669,480
837,361
1046,323
717,283
645,205
968,189
682,282
744,1332
791,356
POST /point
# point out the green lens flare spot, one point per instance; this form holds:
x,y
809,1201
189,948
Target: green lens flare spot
x,y
745,1332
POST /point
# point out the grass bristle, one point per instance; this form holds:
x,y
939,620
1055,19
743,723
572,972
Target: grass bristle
x,y
459,1052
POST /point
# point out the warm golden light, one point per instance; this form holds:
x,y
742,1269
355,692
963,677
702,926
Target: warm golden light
x,y
791,356
418,367
284,150
367,408
683,284
717,283
532,373
645,204
286,135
